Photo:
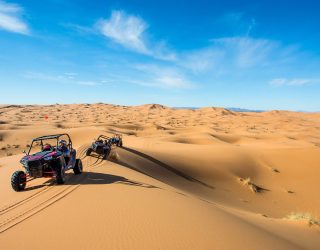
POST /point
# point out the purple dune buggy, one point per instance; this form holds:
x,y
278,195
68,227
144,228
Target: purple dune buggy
x,y
45,160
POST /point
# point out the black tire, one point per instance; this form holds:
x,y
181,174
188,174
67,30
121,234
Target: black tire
x,y
89,151
106,154
60,176
78,168
18,181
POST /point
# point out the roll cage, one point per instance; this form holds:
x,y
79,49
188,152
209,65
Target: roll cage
x,y
50,137
103,137
108,138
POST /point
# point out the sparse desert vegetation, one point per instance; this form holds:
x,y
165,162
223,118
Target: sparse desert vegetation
x,y
253,187
309,218
59,125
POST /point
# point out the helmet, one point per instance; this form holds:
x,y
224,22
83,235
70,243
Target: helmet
x,y
47,147
63,142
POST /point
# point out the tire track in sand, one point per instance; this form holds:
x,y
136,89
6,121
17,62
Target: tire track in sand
x,y
14,204
19,215
17,212
45,188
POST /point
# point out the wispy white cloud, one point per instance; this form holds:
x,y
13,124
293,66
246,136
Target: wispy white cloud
x,y
201,60
235,54
221,55
88,83
126,30
246,52
238,23
231,55
11,18
130,32
251,26
163,77
65,78
79,28
70,75
172,82
291,82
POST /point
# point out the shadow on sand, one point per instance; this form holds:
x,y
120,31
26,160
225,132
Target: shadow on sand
x,y
91,178
163,165
95,178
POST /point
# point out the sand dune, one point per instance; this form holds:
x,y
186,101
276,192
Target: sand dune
x,y
185,179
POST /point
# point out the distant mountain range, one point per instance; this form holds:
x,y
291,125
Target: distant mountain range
x,y
231,109
244,110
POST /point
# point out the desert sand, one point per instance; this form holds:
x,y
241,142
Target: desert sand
x,y
185,179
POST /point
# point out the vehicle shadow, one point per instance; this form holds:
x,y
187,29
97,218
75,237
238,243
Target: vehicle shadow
x,y
93,160
97,156
166,166
95,178
48,183
92,178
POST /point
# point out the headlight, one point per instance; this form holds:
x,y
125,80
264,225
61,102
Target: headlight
x,y
24,163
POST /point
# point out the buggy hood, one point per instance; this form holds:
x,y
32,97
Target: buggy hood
x,y
40,155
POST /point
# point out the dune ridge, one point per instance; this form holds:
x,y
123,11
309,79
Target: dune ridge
x,y
185,179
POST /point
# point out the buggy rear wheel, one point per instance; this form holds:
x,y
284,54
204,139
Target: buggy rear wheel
x,y
89,151
106,154
78,168
18,181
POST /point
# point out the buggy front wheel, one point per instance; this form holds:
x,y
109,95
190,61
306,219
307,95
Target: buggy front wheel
x,y
18,181
78,168
60,176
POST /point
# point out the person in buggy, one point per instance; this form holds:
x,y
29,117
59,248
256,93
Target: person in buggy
x,y
63,148
115,139
100,141
47,148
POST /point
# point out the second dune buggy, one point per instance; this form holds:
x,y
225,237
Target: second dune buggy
x,y
100,146
103,145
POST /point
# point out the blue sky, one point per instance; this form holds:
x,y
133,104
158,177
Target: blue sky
x,y
248,54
